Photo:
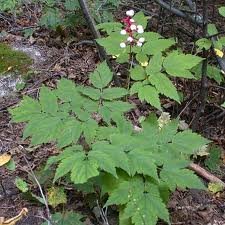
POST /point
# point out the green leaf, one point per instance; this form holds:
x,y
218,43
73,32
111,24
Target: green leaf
x,y
182,178
113,93
42,129
102,76
51,18
126,191
67,91
66,218
223,105
181,142
142,59
71,5
70,133
214,159
137,73
110,27
212,30
204,43
155,64
26,110
48,101
164,85
56,196
147,208
150,95
222,11
135,87
141,19
11,165
92,93
119,106
83,170
21,185
155,46
179,65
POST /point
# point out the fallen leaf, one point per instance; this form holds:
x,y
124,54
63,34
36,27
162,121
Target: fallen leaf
x,y
4,158
218,52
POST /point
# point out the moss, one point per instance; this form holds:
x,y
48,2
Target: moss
x,y
13,61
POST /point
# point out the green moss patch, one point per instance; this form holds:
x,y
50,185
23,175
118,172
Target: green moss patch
x,y
13,61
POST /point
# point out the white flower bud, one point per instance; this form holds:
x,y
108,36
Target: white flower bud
x,y
132,20
122,45
139,44
140,27
123,32
130,13
130,39
133,27
140,31
141,40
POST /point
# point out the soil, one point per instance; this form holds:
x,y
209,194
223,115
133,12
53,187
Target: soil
x,y
75,61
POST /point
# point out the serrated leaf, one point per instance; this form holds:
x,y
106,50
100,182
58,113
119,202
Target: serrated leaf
x,y
179,65
147,208
164,85
66,218
204,43
150,95
113,93
92,93
110,27
56,196
48,101
214,158
137,73
141,19
126,191
83,170
43,129
118,106
27,108
182,178
70,133
135,87
102,76
155,46
21,185
181,142
155,64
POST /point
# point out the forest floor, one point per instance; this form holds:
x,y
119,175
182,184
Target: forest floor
x,y
54,59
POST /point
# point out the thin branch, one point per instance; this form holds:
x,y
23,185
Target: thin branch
x,y
96,34
204,81
205,174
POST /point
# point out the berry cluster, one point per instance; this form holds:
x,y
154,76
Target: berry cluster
x,y
131,28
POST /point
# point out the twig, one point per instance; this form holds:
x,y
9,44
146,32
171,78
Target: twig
x,y
204,82
205,174
96,34
40,189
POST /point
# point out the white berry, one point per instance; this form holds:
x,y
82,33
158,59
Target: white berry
x,y
139,44
133,27
140,31
130,39
122,45
140,27
130,12
132,20
123,32
141,40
